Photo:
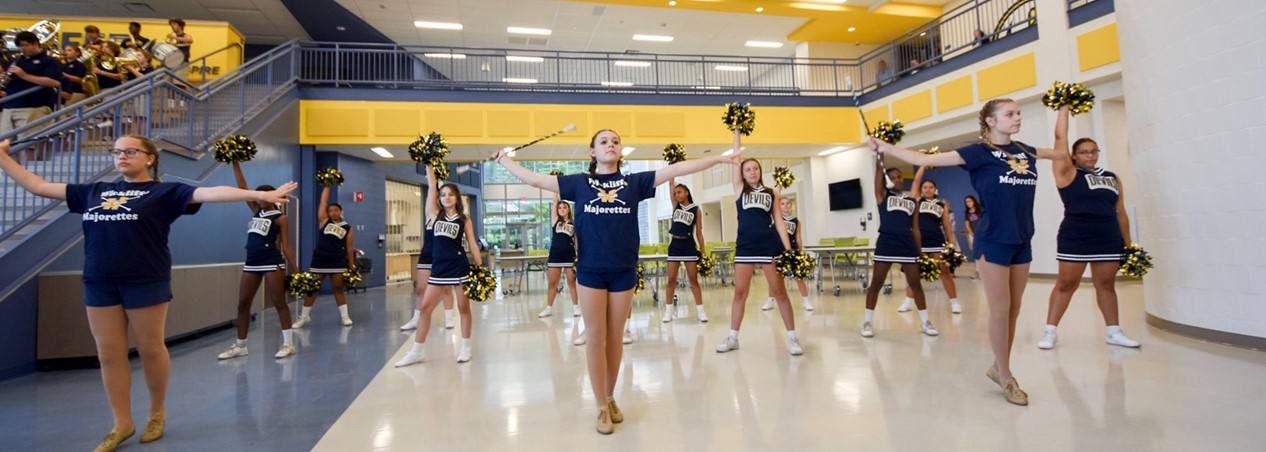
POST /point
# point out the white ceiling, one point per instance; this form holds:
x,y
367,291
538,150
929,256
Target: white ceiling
x,y
259,21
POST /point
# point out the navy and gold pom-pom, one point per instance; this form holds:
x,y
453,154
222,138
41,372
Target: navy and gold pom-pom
x,y
929,268
430,149
1078,99
556,173
641,281
783,177
441,171
301,284
954,257
1135,262
480,283
330,176
707,264
674,153
891,132
739,117
352,277
234,148
795,264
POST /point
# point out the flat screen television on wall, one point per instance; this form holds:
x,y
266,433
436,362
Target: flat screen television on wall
x,y
846,194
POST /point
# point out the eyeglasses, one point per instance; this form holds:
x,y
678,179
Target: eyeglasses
x,y
128,152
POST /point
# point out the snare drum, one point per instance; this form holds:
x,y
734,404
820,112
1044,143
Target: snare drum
x,y
168,54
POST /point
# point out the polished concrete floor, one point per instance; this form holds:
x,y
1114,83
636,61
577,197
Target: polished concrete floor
x,y
526,388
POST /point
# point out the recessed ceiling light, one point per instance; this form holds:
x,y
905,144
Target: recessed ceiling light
x,y
625,63
628,150
617,84
760,10
722,67
382,152
832,150
451,56
518,80
437,25
765,44
524,59
672,3
654,38
852,29
529,31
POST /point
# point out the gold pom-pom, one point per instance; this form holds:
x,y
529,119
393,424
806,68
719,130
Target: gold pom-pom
x,y
302,284
707,264
330,176
954,257
674,153
480,284
1135,262
430,149
933,151
891,132
783,177
441,171
739,117
352,277
641,281
1078,99
556,173
929,268
234,148
795,264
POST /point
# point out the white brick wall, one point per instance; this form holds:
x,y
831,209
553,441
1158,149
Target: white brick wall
x,y
1195,89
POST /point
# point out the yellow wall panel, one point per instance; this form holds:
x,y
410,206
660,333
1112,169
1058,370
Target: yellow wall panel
x,y
514,123
614,120
547,122
913,107
660,124
1098,47
877,114
954,94
1007,77
397,123
455,123
337,122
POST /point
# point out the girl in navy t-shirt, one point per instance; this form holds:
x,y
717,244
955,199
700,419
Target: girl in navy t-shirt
x,y
761,236
1003,172
562,256
934,231
127,266
1094,230
607,238
331,257
267,252
685,247
449,264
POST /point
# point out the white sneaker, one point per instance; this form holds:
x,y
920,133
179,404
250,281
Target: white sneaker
x,y
670,312
410,359
448,323
628,337
412,325
730,343
463,355
234,351
807,305
545,312
286,350
906,306
928,329
956,308
703,318
768,305
794,346
347,321
1049,338
1122,340
580,340
575,310
303,320
867,330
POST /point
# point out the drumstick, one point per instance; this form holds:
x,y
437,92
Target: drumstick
x,y
570,127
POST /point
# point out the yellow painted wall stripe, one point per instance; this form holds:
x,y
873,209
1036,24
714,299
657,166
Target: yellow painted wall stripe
x,y
1007,77
913,107
954,94
1098,47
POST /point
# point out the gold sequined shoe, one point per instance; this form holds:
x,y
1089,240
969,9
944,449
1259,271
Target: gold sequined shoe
x,y
617,416
605,426
1014,394
154,428
113,439
992,373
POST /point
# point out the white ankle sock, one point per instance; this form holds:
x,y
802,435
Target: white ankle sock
x,y
343,310
417,314
953,300
448,315
908,301
465,343
804,299
923,315
870,315
304,311
734,334
287,337
791,335
1114,329
240,342
417,347
1050,328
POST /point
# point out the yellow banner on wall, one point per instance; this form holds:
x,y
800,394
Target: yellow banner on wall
x,y
208,37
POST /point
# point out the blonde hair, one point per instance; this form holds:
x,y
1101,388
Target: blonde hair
x,y
988,110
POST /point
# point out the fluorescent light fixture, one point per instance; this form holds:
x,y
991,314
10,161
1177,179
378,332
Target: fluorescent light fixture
x,y
837,2
722,67
627,150
451,56
765,44
760,10
625,63
518,80
705,87
832,150
437,25
672,3
817,6
529,31
852,29
617,84
382,152
654,38
524,59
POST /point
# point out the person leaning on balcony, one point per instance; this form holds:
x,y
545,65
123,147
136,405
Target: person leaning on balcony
x,y
883,73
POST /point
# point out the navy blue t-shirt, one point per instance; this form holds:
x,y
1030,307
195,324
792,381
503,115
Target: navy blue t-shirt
x,y
1006,181
683,224
606,216
1093,194
126,226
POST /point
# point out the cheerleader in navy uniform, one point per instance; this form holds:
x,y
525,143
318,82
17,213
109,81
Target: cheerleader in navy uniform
x,y
1094,230
795,235
422,273
1004,174
761,236
267,255
607,234
898,244
127,267
332,256
562,256
449,266
935,232
685,248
